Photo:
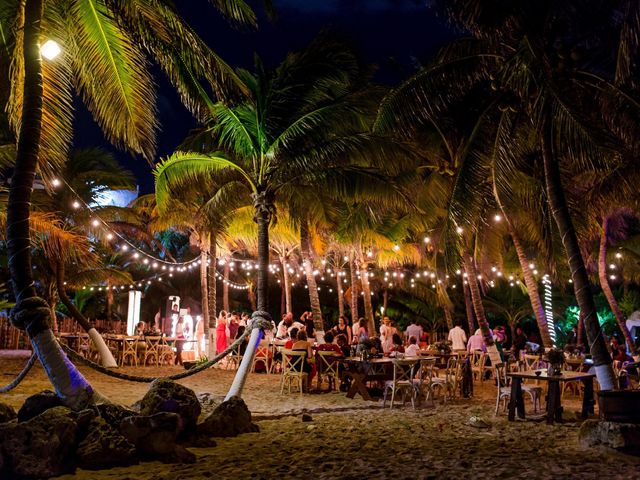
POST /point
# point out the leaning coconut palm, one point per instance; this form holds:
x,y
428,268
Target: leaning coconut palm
x,y
108,66
512,53
299,124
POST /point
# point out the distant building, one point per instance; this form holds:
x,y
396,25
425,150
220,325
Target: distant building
x,y
115,198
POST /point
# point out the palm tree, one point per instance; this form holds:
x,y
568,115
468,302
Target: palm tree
x,y
298,124
112,77
540,86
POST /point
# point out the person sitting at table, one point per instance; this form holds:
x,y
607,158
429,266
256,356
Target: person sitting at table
x,y
140,329
363,332
292,339
620,355
282,331
413,350
396,345
328,345
341,341
355,332
476,342
302,345
309,327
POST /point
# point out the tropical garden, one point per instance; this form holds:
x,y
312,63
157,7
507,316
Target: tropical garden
x,y
504,164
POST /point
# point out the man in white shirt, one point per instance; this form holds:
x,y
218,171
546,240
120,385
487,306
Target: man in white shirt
x,y
414,330
457,337
413,350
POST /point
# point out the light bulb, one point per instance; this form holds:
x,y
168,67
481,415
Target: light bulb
x,y
50,49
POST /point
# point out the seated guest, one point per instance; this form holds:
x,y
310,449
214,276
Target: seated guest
x,y
342,342
476,342
302,345
292,339
328,345
140,328
396,344
413,350
620,355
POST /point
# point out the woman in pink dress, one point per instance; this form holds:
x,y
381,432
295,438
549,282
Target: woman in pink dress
x,y
221,333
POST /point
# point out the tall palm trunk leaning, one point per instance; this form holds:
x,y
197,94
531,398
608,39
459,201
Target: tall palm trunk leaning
x,y
106,357
366,291
532,287
581,284
606,288
468,306
476,298
31,313
204,293
212,303
307,263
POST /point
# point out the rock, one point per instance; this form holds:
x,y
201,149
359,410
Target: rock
x,y
229,419
113,414
307,418
168,396
180,455
7,413
38,403
619,436
41,446
152,435
104,447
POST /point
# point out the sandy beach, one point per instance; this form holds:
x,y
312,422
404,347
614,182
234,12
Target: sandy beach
x,y
355,439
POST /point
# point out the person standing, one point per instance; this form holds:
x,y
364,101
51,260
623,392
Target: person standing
x,y
221,332
413,330
199,333
457,337
386,334
179,335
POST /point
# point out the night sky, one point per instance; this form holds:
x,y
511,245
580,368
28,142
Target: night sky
x,y
394,35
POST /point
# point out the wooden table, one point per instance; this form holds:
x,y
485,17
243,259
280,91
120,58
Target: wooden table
x,y
554,406
374,369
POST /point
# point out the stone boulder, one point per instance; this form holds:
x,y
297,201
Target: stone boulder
x,y
165,395
40,447
113,413
7,413
155,436
38,403
229,419
104,447
619,436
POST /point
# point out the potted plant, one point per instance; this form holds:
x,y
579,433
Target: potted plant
x,y
555,357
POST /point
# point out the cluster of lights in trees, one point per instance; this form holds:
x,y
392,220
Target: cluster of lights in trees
x,y
391,279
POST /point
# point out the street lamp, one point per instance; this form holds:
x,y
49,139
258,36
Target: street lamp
x,y
50,49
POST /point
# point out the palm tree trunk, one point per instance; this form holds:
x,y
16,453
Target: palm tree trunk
x,y
468,305
106,356
581,285
532,287
109,298
354,289
204,287
385,299
314,298
212,284
606,288
448,316
32,313
287,285
476,299
580,335
340,292
263,202
225,287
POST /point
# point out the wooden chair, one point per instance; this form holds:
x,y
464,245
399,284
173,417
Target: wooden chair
x,y
403,371
235,358
425,378
293,370
328,366
449,383
152,352
478,360
503,384
84,346
263,354
166,356
129,351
